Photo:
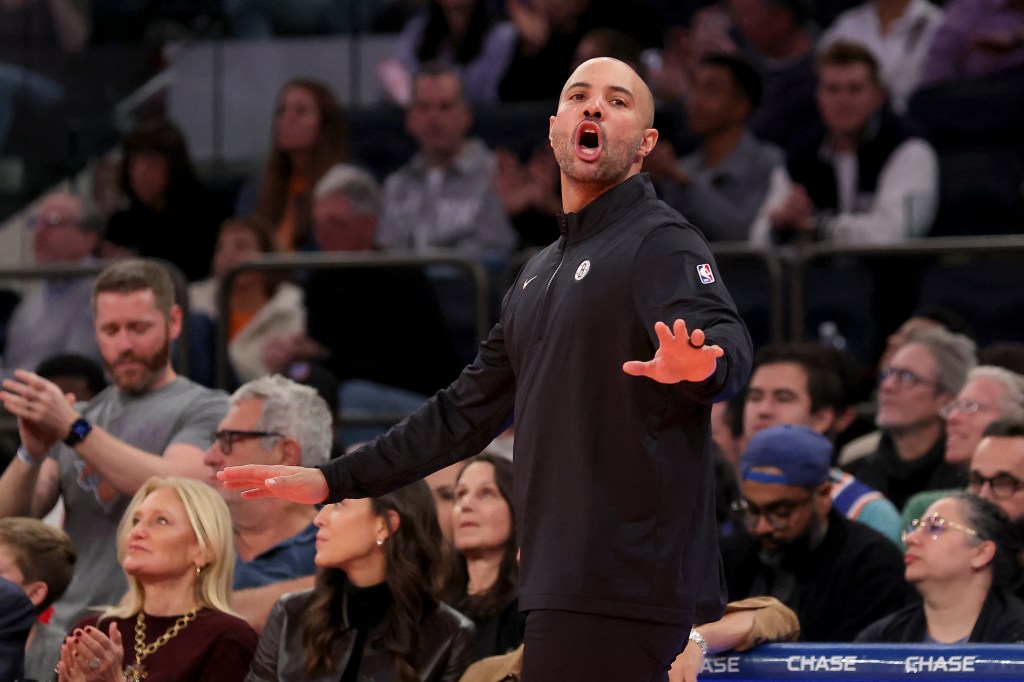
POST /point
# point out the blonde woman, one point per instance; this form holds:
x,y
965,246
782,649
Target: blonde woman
x,y
174,543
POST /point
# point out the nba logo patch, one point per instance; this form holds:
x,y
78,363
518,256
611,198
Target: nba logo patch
x,y
704,270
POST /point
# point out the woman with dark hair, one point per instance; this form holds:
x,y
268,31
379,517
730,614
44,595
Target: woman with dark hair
x,y
310,135
486,582
462,34
374,612
261,306
962,559
168,215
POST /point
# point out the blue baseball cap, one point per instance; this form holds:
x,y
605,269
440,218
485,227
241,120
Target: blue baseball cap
x,y
789,454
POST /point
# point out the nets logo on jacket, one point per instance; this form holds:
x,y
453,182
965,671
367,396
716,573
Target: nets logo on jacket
x,y
704,271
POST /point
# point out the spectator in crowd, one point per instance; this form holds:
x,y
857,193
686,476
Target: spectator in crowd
x,y
990,393
922,377
795,384
374,362
39,559
310,135
96,455
960,558
486,581
442,198
261,305
271,420
837,575
776,40
898,33
997,474
721,186
922,318
864,179
463,35
374,613
16,618
976,38
55,317
700,33
168,213
175,547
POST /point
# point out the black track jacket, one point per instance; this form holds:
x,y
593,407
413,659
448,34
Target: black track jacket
x,y
613,473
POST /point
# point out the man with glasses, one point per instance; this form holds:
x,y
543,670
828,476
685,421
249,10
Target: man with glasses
x,y
997,468
990,393
56,317
921,377
799,383
96,455
836,574
271,420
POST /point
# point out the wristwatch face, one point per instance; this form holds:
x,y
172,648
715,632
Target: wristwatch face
x,y
79,430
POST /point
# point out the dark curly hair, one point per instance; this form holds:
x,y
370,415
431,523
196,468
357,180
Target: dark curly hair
x,y
160,136
413,560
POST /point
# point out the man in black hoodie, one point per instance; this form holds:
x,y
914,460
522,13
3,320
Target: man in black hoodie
x,y
614,474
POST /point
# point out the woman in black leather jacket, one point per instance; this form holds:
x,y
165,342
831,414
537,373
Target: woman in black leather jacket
x,y
374,612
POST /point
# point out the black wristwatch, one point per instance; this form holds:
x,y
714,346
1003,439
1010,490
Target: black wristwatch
x,y
79,430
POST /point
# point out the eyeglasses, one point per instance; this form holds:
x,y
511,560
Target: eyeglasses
x,y
1002,485
226,439
934,525
965,406
904,377
777,514
48,219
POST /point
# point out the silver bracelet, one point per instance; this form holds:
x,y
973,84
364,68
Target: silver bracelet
x,y
27,458
700,641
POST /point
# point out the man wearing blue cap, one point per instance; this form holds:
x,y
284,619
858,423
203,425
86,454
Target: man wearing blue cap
x,y
836,574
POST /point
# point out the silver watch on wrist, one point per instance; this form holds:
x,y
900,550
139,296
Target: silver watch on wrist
x,y
699,640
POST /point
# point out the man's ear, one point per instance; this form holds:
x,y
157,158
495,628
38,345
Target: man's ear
x,y
291,452
174,322
647,142
37,592
551,126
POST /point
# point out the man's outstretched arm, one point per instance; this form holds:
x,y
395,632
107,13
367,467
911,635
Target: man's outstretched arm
x,y
293,483
680,356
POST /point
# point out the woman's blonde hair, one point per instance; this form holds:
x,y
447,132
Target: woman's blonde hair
x,y
211,522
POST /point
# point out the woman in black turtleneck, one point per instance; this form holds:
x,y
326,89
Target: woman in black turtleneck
x,y
374,612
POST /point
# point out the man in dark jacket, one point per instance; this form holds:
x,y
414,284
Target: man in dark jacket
x,y
836,574
614,478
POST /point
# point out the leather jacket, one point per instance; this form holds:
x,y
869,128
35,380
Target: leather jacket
x,y
445,647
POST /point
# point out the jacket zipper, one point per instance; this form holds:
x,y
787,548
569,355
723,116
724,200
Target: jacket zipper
x,y
564,224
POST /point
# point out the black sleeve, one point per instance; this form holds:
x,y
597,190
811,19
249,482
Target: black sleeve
x,y
675,277
456,423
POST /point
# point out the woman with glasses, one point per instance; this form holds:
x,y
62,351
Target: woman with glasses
x,y
374,612
962,558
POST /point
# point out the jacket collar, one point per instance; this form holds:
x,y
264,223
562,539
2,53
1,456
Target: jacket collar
x,y
607,209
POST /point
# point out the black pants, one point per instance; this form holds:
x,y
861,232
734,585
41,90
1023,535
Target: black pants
x,y
563,646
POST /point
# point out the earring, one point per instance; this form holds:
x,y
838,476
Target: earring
x,y
199,571
380,541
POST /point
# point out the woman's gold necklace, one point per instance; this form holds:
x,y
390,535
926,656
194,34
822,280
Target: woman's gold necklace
x,y
136,672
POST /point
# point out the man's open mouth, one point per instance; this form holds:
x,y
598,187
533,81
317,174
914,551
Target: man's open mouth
x,y
588,140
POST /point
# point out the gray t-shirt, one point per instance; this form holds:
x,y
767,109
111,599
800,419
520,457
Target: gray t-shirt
x,y
180,412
